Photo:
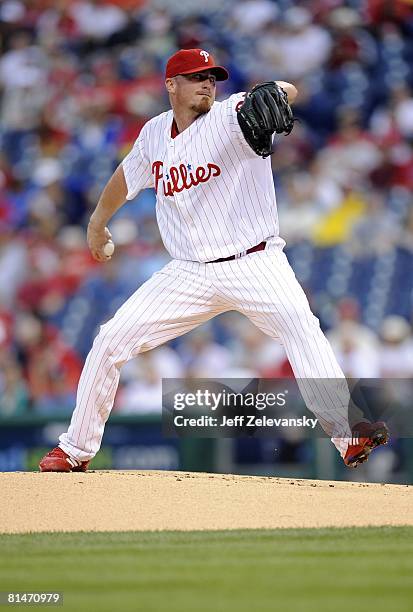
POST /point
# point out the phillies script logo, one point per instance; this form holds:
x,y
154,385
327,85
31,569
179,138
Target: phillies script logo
x,y
183,176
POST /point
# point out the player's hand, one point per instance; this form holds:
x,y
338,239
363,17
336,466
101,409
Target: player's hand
x,y
97,237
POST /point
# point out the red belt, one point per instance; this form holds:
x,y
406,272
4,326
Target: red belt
x,y
258,247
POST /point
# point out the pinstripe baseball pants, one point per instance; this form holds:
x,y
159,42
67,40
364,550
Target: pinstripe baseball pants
x,y
184,294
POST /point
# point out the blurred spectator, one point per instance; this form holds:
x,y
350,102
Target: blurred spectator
x,y
384,11
351,42
13,265
260,353
357,359
406,235
11,11
251,16
23,78
303,46
351,153
97,19
354,344
294,47
396,353
143,395
204,358
14,397
51,368
402,101
300,211
141,381
337,225
376,231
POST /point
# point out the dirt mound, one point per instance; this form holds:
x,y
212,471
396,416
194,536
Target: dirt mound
x,y
120,501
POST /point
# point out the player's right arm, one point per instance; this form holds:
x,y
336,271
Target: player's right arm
x,y
112,198
129,178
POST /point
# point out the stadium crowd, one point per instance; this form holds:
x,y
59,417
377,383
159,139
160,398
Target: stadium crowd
x,y
78,79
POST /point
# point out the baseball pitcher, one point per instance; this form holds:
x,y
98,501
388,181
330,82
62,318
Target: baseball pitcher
x,y
209,163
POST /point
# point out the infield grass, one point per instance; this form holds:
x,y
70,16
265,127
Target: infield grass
x,y
291,570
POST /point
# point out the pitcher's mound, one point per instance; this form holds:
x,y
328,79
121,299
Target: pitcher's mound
x,y
123,501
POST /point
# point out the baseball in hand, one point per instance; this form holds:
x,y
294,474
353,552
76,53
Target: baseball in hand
x,y
109,248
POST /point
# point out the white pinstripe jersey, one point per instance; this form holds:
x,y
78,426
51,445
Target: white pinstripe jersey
x,y
214,196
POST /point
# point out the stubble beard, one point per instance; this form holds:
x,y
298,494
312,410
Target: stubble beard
x,y
203,106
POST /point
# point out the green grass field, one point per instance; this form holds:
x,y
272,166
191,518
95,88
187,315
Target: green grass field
x,y
287,570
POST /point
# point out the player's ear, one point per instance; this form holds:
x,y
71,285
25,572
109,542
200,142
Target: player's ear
x,y
170,85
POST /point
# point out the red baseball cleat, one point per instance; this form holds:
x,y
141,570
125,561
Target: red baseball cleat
x,y
59,461
366,436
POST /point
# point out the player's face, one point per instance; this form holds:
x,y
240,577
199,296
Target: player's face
x,y
195,91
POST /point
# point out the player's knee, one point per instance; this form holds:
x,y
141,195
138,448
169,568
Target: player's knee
x,y
116,343
304,319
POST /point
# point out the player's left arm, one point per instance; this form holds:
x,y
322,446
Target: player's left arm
x,y
289,89
264,112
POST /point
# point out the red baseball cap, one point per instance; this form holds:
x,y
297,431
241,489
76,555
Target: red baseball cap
x,y
186,61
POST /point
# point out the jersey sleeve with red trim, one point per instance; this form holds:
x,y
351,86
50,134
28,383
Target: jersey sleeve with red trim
x,y
136,167
233,103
